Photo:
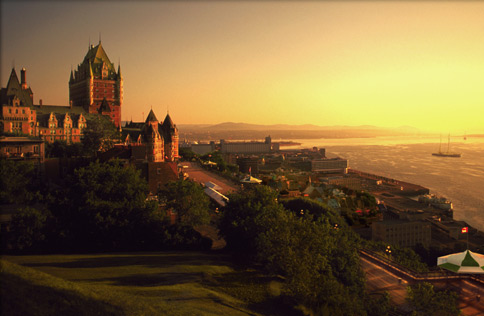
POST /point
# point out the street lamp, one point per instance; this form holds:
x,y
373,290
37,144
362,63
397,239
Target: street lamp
x,y
388,250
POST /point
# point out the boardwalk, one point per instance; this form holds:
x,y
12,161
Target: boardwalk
x,y
380,277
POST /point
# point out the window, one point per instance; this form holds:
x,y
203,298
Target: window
x,y
23,111
10,111
158,170
16,111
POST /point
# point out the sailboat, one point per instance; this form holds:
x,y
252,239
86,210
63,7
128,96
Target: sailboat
x,y
448,153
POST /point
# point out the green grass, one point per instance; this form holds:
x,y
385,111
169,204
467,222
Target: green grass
x,y
162,283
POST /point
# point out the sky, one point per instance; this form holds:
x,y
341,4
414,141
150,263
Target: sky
x,y
383,63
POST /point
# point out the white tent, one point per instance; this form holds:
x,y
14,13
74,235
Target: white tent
x,y
251,179
462,262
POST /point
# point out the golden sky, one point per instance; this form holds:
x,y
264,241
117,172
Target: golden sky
x,y
384,63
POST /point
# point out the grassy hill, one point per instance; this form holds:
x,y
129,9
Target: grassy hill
x,y
165,283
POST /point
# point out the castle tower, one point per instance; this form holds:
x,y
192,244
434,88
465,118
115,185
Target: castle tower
x,y
170,135
153,139
96,80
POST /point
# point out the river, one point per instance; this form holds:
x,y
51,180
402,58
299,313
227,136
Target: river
x,y
409,159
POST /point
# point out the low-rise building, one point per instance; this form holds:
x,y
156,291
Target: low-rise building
x,y
329,165
402,232
22,148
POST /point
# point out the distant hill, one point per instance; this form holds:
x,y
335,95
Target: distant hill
x,y
232,130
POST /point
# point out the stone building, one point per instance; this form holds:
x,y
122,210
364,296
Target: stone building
x,y
160,138
96,86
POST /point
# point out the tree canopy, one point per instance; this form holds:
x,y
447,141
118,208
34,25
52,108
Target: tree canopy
x,y
188,200
100,134
426,301
104,206
317,258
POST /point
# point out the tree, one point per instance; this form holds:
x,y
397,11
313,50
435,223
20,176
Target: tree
x,y
186,153
242,217
187,198
317,258
18,182
425,301
100,134
104,207
27,228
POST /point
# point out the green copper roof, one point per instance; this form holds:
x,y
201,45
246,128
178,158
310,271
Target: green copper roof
x,y
96,56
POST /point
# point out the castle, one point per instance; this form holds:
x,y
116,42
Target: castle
x,y
95,88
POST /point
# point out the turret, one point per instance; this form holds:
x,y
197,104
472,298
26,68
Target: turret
x,y
23,79
119,72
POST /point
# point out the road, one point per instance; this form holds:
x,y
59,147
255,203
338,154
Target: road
x,y
379,280
196,173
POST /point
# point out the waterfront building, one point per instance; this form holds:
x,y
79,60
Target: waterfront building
x,y
249,147
404,233
348,181
329,165
200,149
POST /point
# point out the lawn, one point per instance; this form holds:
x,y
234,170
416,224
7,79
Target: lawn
x,y
161,283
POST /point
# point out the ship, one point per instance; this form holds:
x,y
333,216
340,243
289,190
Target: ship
x,y
439,202
448,153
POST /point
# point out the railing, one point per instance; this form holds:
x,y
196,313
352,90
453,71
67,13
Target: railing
x,y
420,276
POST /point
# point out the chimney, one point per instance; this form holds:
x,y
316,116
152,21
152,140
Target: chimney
x,y
40,102
70,104
23,79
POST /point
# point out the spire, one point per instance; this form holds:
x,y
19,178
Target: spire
x,y
119,69
151,117
71,79
99,37
168,123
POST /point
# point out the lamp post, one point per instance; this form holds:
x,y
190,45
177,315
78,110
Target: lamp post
x,y
388,250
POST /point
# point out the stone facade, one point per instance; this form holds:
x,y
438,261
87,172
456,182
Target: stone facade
x,y
96,86
160,139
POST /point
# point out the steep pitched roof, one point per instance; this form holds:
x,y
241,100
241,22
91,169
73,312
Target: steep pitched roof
x,y
151,117
168,128
15,89
97,55
168,123
47,109
104,107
